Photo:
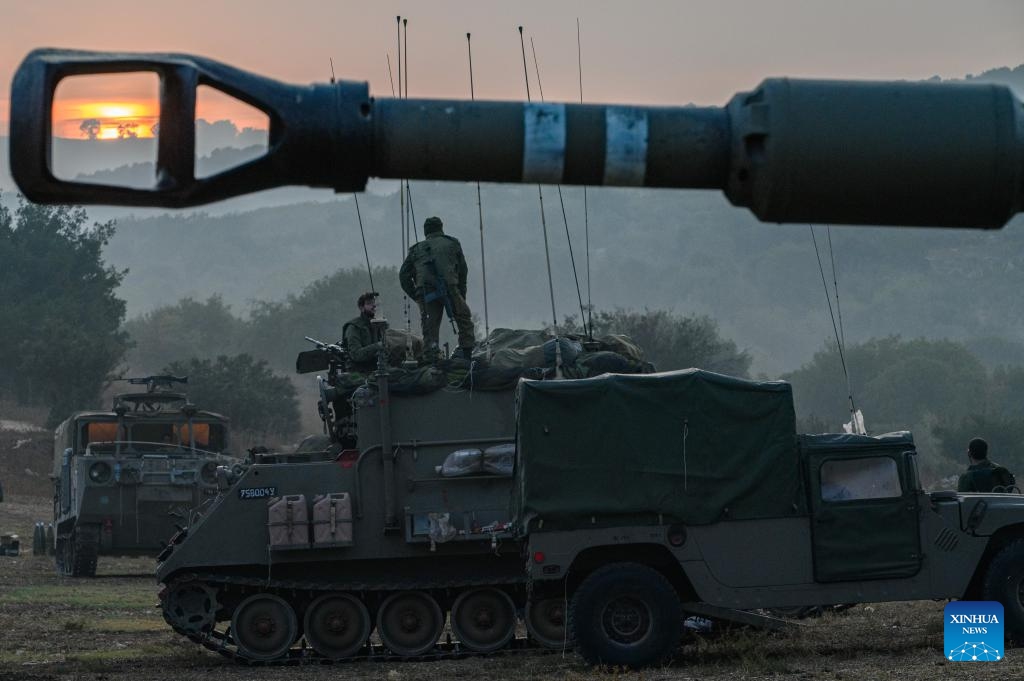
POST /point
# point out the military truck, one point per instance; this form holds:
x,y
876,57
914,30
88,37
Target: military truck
x,y
641,498
125,478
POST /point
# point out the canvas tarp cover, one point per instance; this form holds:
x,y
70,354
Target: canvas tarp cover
x,y
601,449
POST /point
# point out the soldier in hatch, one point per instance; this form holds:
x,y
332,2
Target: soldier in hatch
x,y
983,475
357,336
434,275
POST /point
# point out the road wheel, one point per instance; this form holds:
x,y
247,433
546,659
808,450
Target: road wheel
x,y
83,551
625,614
484,620
1004,582
60,556
191,607
337,625
545,622
264,626
409,623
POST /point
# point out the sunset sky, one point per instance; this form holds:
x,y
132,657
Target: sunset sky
x,y
660,52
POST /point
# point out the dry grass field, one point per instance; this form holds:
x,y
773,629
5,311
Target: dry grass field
x,y
109,629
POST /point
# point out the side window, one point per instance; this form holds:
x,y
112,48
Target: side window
x,y
875,477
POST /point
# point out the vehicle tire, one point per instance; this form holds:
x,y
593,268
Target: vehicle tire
x,y
625,614
1004,582
83,551
60,557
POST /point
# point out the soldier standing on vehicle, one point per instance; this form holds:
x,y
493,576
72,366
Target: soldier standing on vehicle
x,y
983,475
434,275
357,336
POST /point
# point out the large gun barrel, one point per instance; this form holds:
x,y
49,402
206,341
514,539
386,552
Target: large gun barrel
x,y
896,153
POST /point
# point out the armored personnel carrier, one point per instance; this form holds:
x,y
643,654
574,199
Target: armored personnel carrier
x,y
125,478
408,491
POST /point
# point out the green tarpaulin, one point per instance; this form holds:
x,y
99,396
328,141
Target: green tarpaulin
x,y
692,446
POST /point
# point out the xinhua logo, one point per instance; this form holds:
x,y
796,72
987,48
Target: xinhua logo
x,y
974,631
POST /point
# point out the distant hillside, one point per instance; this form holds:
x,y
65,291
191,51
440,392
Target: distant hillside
x,y
1004,76
685,251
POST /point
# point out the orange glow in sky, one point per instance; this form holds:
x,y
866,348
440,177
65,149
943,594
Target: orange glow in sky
x,y
108,120
120,106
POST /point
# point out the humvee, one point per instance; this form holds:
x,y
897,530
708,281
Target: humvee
x,y
641,498
125,478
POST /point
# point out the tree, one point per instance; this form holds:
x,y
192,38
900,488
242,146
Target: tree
x,y
276,330
896,382
246,390
91,127
190,328
671,341
60,334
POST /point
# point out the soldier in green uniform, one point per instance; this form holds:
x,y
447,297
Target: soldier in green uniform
x,y
434,275
357,335
983,475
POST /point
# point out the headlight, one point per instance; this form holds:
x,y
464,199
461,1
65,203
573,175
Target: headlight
x,y
209,472
99,472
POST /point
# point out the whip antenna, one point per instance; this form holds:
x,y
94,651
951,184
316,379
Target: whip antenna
x,y
540,196
362,233
565,219
854,421
480,212
586,212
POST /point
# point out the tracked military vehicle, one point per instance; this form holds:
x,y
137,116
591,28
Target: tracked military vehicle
x,y
791,151
124,478
410,494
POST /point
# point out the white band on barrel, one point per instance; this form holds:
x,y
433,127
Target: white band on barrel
x,y
544,143
625,158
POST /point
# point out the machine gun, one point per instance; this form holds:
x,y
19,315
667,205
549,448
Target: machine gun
x,y
841,152
334,358
162,381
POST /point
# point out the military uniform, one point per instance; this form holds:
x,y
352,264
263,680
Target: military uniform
x,y
358,339
419,279
984,476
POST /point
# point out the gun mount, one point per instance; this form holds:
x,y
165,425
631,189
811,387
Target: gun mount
x,y
842,152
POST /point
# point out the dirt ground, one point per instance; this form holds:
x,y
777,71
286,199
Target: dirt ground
x,y
109,628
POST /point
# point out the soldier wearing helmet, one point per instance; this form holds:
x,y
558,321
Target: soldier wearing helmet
x,y
434,275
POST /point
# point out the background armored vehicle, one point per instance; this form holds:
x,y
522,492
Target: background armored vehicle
x,y
123,479
708,502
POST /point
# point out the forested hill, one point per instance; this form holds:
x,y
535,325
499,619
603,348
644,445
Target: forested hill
x,y
686,251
